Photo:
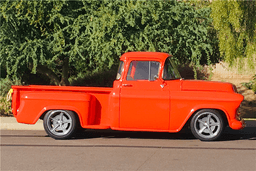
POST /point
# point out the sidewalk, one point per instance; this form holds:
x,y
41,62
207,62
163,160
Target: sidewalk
x,y
10,123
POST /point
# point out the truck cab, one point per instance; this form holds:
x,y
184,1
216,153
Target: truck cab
x,y
144,90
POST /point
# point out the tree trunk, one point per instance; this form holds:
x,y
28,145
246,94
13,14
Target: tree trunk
x,y
49,73
64,76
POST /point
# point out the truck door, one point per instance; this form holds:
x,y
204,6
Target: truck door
x,y
144,100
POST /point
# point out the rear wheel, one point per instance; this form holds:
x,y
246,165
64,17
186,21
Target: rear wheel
x,y
60,124
207,125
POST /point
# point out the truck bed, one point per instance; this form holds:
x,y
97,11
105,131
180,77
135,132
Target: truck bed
x,y
90,103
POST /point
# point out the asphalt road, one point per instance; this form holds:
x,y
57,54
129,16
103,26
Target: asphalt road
x,y
112,150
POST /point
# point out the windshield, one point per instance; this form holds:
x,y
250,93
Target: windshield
x,y
120,70
170,70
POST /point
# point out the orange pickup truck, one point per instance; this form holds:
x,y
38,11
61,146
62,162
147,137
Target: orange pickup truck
x,y
147,95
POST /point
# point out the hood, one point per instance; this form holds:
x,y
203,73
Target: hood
x,y
195,85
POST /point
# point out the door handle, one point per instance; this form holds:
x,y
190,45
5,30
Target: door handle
x,y
127,85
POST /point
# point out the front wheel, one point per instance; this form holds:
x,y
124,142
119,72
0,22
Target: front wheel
x,y
207,125
60,124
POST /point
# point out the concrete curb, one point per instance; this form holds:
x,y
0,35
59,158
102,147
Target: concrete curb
x,y
10,123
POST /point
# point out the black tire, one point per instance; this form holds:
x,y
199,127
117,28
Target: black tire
x,y
207,125
60,124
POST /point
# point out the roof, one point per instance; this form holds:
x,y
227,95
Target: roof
x,y
147,55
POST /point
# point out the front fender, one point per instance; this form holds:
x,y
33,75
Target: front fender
x,y
230,116
185,104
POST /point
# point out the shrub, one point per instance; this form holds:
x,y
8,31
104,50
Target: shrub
x,y
103,78
5,107
5,86
251,84
254,87
187,72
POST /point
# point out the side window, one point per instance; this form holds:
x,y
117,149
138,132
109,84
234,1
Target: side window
x,y
143,70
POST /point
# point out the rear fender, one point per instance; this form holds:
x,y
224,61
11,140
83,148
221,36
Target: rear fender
x,y
81,117
34,104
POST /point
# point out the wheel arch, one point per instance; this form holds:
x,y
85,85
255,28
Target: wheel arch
x,y
193,112
76,113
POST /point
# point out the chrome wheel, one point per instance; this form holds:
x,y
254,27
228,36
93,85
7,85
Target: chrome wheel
x,y
207,125
59,124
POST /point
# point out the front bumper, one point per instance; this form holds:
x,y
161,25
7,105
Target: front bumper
x,y
237,124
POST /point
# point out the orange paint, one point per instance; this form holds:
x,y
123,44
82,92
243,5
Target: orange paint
x,y
134,104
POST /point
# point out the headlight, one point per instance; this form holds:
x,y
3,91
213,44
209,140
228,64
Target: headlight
x,y
238,117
